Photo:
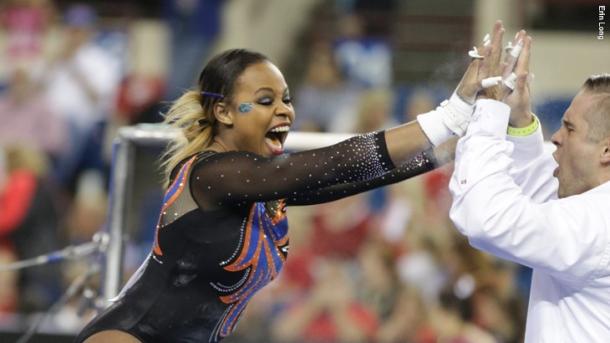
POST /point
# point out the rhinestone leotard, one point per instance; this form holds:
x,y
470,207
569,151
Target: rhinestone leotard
x,y
222,234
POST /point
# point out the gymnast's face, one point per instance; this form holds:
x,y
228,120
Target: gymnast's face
x,y
577,155
261,111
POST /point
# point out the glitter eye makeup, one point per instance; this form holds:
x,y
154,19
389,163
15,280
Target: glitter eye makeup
x,y
245,107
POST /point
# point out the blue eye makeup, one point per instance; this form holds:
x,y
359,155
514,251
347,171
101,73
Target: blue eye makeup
x,y
245,107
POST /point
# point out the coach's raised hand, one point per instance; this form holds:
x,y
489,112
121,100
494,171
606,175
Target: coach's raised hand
x,y
518,98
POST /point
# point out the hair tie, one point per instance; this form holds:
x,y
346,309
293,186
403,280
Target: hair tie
x,y
211,94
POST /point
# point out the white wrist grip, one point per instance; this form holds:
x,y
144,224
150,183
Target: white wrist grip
x,y
450,118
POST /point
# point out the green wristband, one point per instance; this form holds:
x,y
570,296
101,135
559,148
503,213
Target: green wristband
x,y
524,131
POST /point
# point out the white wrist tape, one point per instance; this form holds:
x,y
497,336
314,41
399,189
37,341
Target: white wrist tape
x,y
449,119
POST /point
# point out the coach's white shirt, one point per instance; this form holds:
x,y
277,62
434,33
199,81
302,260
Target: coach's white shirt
x,y
505,202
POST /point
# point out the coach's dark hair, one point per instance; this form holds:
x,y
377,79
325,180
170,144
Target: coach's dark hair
x,y
598,116
598,83
193,112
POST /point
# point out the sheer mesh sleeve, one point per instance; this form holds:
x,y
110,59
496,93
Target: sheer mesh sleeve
x,y
419,164
238,177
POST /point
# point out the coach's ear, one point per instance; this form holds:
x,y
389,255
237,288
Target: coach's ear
x,y
605,156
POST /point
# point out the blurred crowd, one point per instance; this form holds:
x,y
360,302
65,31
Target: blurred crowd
x,y
385,266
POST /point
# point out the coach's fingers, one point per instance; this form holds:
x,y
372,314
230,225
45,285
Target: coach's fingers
x,y
496,47
512,51
523,63
485,66
521,82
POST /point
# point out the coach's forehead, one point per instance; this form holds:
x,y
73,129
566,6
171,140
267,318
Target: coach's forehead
x,y
581,104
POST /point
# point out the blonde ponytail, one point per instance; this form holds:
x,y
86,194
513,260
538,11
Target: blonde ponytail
x,y
197,126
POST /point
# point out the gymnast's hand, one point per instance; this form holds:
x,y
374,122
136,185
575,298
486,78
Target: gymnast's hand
x,y
485,65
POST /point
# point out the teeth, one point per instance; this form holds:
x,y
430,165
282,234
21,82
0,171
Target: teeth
x,y
281,129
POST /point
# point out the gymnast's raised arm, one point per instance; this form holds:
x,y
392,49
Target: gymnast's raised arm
x,y
243,119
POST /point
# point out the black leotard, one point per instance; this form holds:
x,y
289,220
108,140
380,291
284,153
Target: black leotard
x,y
223,234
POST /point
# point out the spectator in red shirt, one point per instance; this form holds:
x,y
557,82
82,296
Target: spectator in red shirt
x,y
29,226
330,313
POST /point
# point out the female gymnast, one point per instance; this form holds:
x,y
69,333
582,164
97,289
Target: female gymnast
x,y
222,232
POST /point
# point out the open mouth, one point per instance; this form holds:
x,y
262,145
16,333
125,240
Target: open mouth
x,y
276,137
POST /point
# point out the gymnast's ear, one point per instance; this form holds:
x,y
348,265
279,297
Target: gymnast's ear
x,y
223,114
